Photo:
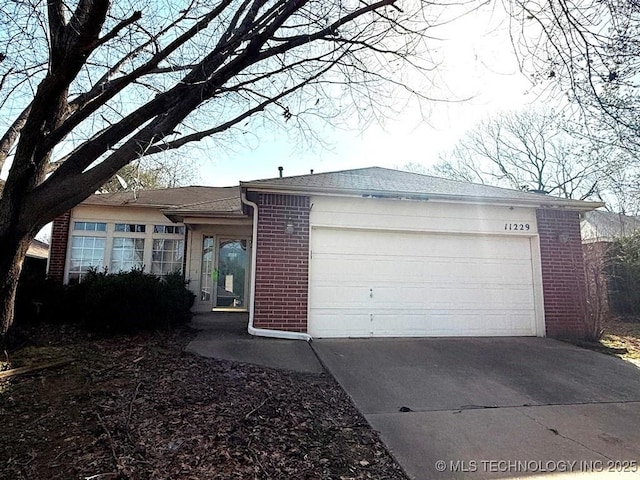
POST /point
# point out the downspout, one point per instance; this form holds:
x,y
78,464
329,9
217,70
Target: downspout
x,y
263,332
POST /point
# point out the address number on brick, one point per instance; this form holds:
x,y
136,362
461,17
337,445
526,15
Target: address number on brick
x,y
520,227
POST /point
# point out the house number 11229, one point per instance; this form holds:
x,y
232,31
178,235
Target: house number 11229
x,y
517,226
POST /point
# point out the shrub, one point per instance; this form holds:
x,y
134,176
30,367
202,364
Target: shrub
x,y
128,301
35,292
624,275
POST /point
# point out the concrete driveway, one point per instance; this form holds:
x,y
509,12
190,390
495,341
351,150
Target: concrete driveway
x,y
493,407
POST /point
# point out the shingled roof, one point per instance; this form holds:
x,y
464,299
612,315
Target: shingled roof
x,y
187,199
383,182
366,182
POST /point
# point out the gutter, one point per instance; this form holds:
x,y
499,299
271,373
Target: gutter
x,y
263,332
535,200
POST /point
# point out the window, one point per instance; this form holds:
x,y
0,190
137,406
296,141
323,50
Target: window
x,y
167,256
130,227
126,254
90,226
174,229
123,246
86,253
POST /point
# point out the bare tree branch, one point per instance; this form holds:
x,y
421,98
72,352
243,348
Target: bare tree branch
x,y
121,85
525,151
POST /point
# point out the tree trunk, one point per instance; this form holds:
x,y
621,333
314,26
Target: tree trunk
x,y
13,250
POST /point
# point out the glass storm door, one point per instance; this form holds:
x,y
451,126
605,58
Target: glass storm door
x,y
208,280
231,274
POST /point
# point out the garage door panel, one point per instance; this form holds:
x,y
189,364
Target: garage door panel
x,y
403,296
412,323
381,283
396,244
341,323
420,269
333,268
347,296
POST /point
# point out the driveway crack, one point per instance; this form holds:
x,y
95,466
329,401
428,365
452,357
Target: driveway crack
x,y
557,432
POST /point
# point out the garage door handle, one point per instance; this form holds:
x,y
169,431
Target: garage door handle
x,y
371,292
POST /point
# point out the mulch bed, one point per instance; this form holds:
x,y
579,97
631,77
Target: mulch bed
x,y
138,407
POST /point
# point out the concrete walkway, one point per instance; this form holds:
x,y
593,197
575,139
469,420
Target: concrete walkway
x,y
474,407
223,335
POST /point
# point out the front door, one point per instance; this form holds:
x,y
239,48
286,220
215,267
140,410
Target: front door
x,y
231,274
224,278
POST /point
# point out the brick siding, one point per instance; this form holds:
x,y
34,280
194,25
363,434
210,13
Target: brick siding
x,y
563,273
58,247
282,263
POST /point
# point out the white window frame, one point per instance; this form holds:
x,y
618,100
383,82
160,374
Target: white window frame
x,y
85,233
109,234
125,237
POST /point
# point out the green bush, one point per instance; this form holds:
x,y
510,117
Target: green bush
x,y
128,301
623,267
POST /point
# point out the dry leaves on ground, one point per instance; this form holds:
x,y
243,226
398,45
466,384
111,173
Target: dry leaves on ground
x,y
140,408
625,335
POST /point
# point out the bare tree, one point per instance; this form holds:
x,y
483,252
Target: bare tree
x,y
589,50
92,85
153,172
527,150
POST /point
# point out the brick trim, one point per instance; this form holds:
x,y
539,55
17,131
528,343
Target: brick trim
x,y
282,263
58,247
563,273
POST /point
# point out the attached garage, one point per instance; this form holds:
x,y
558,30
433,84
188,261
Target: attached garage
x,y
396,284
374,252
414,279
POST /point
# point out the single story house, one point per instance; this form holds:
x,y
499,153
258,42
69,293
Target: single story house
x,y
356,253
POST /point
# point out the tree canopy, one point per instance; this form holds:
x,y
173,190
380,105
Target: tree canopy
x,y
526,150
587,51
152,172
89,86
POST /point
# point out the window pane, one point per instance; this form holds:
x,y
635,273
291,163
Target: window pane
x,y
170,229
86,253
90,226
127,253
167,256
130,227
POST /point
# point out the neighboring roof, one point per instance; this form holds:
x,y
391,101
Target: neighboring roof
x,y
383,182
188,199
38,249
601,226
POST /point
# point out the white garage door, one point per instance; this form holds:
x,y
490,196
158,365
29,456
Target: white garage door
x,y
381,283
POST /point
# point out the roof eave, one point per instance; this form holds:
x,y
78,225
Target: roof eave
x,y
542,202
178,216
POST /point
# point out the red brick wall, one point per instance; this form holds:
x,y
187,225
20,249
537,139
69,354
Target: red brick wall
x,y
563,273
58,247
282,263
